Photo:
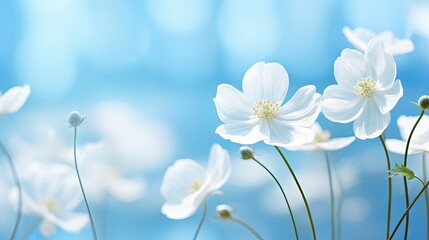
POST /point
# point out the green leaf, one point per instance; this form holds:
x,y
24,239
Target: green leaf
x,y
401,170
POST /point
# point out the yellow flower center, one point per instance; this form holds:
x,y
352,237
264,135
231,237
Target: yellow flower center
x,y
322,136
195,186
365,87
51,204
266,109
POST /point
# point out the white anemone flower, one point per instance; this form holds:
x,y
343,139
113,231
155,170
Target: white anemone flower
x,y
187,184
51,192
257,113
323,142
420,139
13,99
366,91
360,38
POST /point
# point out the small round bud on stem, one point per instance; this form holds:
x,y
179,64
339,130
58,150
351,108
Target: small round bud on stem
x,y
224,211
246,152
424,102
75,119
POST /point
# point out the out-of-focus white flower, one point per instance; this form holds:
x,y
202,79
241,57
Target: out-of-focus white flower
x,y
366,92
322,141
51,192
187,184
13,99
256,114
420,139
360,38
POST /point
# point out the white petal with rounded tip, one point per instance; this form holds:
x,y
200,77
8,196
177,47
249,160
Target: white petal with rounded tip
x,y
386,99
284,135
12,100
72,222
420,135
47,228
179,178
350,67
247,132
336,143
302,109
359,37
371,123
266,81
178,211
231,104
218,168
399,146
341,106
316,127
383,65
401,46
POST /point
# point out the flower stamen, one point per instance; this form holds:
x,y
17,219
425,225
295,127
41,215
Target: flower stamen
x,y
266,109
365,87
195,186
51,204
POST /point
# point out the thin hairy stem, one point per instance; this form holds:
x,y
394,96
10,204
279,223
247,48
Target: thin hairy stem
x,y
389,188
284,196
244,224
18,185
331,189
202,220
408,210
307,207
94,234
407,199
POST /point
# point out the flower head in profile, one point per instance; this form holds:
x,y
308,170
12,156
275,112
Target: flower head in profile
x,y
323,142
366,92
51,192
420,140
13,99
187,184
257,113
360,38
75,120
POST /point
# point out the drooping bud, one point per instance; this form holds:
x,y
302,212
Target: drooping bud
x,y
224,211
246,152
424,102
75,119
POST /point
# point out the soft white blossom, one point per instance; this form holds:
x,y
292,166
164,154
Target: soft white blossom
x,y
360,38
257,113
366,92
51,192
13,99
420,139
187,184
323,141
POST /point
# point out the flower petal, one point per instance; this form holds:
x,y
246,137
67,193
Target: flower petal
x,y
46,228
371,123
341,106
72,222
359,37
421,133
246,132
350,67
305,147
382,63
218,168
179,178
400,46
231,104
386,99
399,146
12,100
126,189
302,109
178,211
285,135
266,81
336,143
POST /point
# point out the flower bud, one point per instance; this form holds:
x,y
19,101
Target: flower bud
x,y
224,211
424,102
75,119
246,152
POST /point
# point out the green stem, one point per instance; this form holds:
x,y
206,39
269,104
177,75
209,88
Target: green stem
x,y
18,185
426,192
389,188
252,230
407,211
331,188
94,234
300,190
202,220
407,199
284,196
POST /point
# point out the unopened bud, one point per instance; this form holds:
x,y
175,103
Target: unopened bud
x,y
424,102
75,119
246,152
224,211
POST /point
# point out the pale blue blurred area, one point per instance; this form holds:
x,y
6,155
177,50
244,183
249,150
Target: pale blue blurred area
x,y
165,58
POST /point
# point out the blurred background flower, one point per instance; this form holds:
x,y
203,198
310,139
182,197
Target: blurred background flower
x,y
144,74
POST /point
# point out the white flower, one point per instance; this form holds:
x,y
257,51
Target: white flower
x,y
322,141
360,38
419,141
256,114
366,91
12,100
187,184
51,192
